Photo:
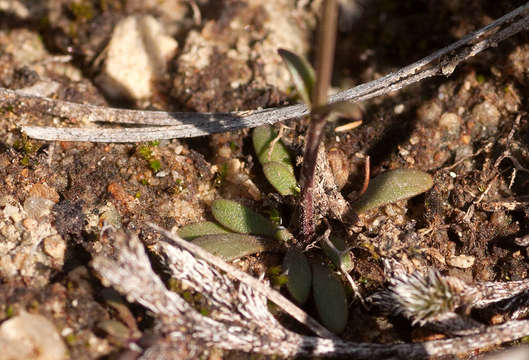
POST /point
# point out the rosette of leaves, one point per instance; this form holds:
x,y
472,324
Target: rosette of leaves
x,y
241,231
275,160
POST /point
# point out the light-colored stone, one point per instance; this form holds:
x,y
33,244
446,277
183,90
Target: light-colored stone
x,y
451,123
31,337
461,261
136,55
55,247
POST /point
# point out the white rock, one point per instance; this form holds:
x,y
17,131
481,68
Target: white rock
x,y
136,55
461,261
31,337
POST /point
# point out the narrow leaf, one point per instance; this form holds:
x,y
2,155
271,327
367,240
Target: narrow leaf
x,y
281,178
232,246
239,218
192,231
330,299
302,74
262,138
297,269
393,186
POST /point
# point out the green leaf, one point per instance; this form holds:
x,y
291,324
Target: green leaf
x,y
192,231
297,269
339,255
302,74
393,186
281,178
330,299
239,218
262,137
232,246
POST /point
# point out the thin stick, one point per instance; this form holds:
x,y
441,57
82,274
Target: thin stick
x,y
257,285
181,125
367,174
324,64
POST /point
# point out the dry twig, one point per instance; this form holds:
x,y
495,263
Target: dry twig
x,y
180,125
240,320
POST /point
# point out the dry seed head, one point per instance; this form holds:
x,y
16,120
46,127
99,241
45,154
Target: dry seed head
x,y
424,297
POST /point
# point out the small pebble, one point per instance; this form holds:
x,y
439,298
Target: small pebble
x,y
461,261
428,113
487,117
37,207
146,47
30,223
399,109
31,337
451,123
55,247
44,191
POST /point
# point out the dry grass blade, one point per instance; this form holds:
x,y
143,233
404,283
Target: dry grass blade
x,y
243,321
271,294
180,125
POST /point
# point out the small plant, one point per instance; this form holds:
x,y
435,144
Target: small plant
x,y
312,87
146,152
233,239
238,229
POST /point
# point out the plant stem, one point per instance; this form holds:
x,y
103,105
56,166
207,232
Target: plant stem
x,y
324,62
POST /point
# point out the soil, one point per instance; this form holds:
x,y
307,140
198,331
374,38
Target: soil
x,y
469,131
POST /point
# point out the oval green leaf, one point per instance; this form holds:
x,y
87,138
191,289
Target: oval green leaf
x,y
192,231
297,268
330,299
302,74
262,138
232,246
339,255
281,178
239,218
393,186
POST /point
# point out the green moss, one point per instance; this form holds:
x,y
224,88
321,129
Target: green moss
x,y
146,152
71,339
221,175
178,186
155,165
24,161
276,276
274,216
83,10
10,311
